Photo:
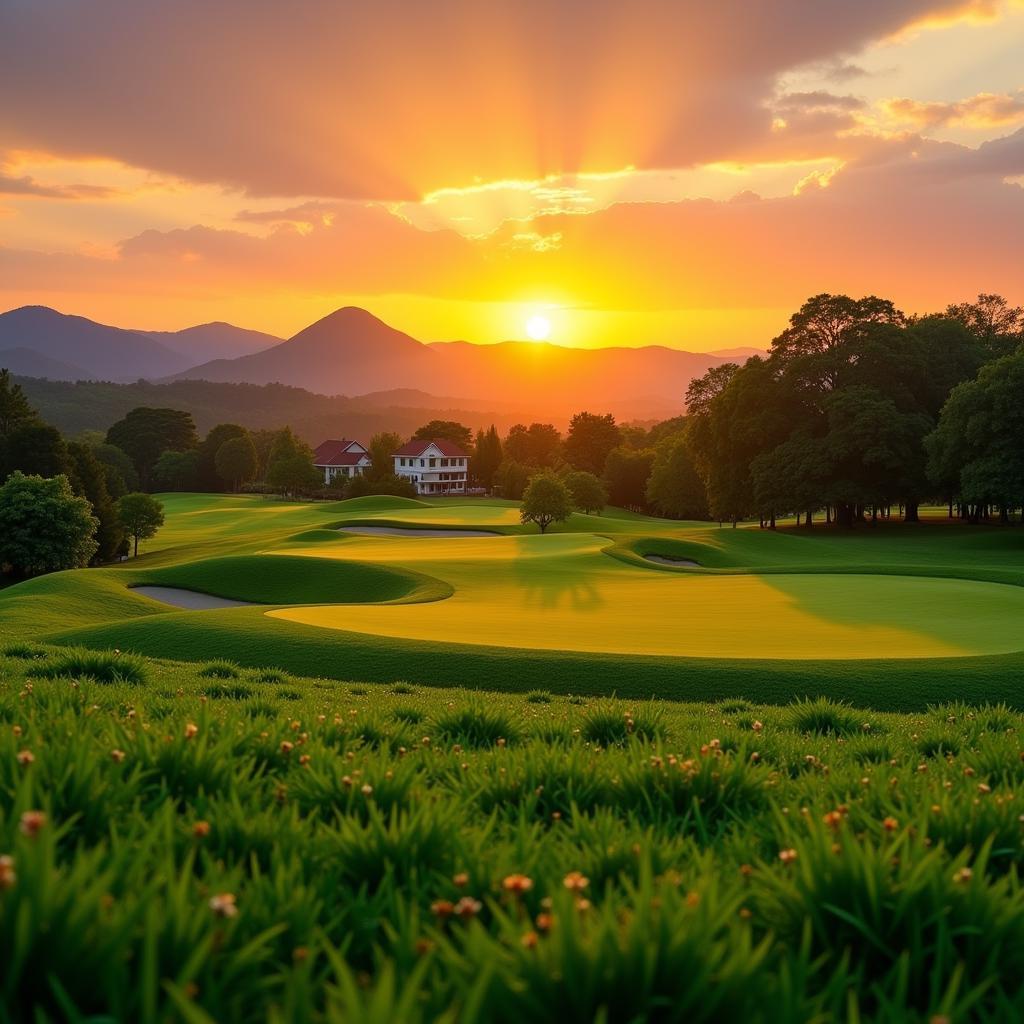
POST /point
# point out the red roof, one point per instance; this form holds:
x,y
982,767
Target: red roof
x,y
447,448
336,453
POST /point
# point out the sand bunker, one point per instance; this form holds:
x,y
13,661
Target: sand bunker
x,y
663,560
190,599
404,531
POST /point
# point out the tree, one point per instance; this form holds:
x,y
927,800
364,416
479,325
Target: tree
x,y
588,493
291,470
146,433
674,488
141,516
44,527
487,457
236,461
15,410
208,477
382,450
263,441
977,441
626,472
89,480
446,430
591,437
998,326
511,479
539,445
816,343
546,500
176,471
35,447
118,469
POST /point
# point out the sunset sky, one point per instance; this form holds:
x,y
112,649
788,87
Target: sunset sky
x,y
679,173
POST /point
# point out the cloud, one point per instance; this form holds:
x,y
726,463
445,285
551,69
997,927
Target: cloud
x,y
394,99
984,110
25,185
923,222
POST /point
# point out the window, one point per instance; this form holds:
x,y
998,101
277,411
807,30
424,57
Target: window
x,y
433,463
423,462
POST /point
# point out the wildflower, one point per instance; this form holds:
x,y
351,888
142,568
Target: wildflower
x,y
32,823
287,747
833,819
366,790
517,884
530,939
757,726
890,824
755,757
545,922
26,757
442,908
984,788
576,881
963,876
7,873
468,907
201,829
746,870
423,946
305,759
223,904
190,730
693,899
117,756
461,879
745,914
300,954
787,856
583,905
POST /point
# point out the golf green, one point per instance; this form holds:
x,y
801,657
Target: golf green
x,y
564,593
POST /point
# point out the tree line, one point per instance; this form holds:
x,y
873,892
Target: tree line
x,y
859,410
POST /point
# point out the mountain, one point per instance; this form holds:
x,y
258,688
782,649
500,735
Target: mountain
x,y
348,352
23,362
352,352
214,341
101,352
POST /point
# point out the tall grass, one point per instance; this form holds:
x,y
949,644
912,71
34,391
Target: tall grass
x,y
201,848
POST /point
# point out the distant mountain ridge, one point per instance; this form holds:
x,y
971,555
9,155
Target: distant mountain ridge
x,y
351,352
40,342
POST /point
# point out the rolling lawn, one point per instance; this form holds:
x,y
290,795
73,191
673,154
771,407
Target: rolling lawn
x,y
894,617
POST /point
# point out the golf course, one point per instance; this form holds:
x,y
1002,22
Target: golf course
x,y
459,593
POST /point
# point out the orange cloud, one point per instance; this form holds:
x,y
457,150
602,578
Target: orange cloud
x,y
984,110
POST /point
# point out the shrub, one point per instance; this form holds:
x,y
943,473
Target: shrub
x,y
413,716
99,666
26,652
478,725
538,697
824,717
607,725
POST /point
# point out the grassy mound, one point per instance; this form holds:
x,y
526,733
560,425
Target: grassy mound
x,y
287,579
233,849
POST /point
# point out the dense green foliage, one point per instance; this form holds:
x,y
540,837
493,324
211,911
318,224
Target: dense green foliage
x,y
141,516
546,500
44,526
837,415
245,845
588,493
146,433
236,461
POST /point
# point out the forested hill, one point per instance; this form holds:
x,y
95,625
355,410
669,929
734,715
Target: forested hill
x,y
91,405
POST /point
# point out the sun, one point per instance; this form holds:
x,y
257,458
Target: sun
x,y
538,327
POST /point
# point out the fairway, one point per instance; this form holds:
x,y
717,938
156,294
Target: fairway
x,y
461,593
564,593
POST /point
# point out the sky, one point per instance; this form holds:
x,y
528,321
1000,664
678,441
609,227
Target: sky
x,y
665,172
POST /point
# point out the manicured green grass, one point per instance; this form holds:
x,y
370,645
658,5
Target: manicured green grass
x,y
893,616
213,843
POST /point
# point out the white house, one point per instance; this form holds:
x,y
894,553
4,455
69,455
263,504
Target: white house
x,y
434,467
341,458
